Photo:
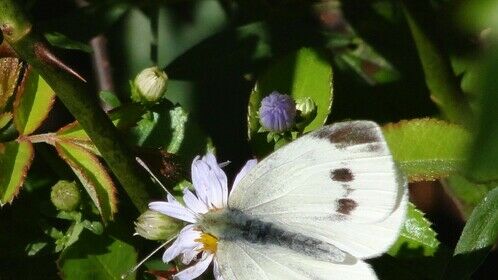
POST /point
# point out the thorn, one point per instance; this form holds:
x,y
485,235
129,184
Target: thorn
x,y
45,55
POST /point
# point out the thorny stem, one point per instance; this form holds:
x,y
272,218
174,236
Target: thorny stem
x,y
440,79
78,98
101,61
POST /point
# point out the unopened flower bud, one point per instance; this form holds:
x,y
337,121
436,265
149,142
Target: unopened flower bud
x,y
65,195
149,85
277,112
307,109
153,225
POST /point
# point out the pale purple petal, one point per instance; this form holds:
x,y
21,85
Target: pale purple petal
x,y
184,242
243,172
170,198
189,256
209,181
198,179
208,178
221,178
193,202
196,270
216,270
174,210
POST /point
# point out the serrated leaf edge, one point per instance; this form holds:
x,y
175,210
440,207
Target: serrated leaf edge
x,y
19,94
77,170
24,174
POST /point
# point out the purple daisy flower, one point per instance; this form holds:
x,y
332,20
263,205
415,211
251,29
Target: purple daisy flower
x,y
277,112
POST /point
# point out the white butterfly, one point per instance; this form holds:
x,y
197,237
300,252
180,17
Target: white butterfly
x,y
314,209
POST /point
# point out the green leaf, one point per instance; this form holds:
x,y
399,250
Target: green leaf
x,y
305,73
122,117
109,98
468,194
92,175
98,257
478,237
15,160
416,236
32,104
163,126
483,163
427,149
179,119
60,40
417,246
10,69
439,76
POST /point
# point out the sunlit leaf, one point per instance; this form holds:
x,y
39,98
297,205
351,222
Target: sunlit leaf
x,y
10,70
478,237
92,175
427,149
178,122
5,118
15,160
102,257
163,126
33,102
416,238
305,73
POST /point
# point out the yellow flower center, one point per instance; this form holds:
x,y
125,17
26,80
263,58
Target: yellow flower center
x,y
209,242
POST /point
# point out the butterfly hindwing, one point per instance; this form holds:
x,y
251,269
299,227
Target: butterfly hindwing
x,y
242,260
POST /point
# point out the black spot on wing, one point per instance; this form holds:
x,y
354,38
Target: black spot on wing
x,y
346,206
342,175
350,133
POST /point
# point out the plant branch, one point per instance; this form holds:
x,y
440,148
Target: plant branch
x,y
78,98
439,76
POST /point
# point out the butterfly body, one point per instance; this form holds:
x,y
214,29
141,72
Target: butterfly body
x,y
231,225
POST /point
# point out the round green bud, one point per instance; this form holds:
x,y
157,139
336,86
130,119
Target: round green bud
x,y
65,195
149,85
307,109
153,225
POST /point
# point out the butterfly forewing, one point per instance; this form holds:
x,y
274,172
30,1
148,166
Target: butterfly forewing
x,y
340,172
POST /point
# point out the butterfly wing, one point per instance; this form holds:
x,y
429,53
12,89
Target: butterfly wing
x,y
338,184
242,260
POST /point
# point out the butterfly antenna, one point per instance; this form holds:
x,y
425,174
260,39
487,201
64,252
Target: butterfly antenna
x,y
142,163
131,271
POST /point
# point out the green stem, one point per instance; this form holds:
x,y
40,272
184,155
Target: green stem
x,y
78,98
439,76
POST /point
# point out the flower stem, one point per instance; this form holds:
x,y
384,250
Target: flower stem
x,y
78,98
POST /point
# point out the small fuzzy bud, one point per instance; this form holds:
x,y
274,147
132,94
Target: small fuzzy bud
x,y
153,225
307,109
149,85
65,195
277,112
